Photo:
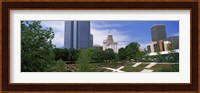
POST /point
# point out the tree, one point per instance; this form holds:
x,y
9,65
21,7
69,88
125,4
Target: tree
x,y
109,55
131,50
145,56
91,54
173,55
122,54
158,56
82,64
96,55
56,66
116,57
65,54
73,54
61,53
140,55
36,46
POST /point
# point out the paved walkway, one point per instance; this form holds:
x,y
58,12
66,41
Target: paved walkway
x,y
146,69
136,64
115,70
151,65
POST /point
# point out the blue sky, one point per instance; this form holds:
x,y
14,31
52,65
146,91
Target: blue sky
x,y
123,32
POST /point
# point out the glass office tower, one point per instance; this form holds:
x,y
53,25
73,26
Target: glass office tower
x,y
77,34
158,32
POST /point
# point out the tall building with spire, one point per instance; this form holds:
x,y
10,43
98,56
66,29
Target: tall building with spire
x,y
77,34
109,43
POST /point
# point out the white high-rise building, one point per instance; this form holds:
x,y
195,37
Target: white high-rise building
x,y
109,43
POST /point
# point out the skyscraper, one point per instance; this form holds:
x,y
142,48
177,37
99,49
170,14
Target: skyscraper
x,y
175,41
158,32
110,44
77,34
91,40
159,41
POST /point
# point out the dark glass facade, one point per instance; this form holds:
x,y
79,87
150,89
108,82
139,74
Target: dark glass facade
x,y
175,41
77,34
158,32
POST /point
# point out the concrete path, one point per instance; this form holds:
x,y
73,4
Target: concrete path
x,y
115,70
136,64
151,65
120,67
146,70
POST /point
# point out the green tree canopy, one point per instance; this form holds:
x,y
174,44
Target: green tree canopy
x,y
96,55
131,50
82,64
122,54
141,56
109,54
73,54
173,55
36,46
61,53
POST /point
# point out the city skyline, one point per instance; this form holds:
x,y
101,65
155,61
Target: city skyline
x,y
123,32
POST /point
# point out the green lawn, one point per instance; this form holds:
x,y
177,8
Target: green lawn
x,y
166,68
114,65
98,67
129,68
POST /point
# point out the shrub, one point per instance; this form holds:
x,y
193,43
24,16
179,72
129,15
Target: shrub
x,y
57,66
172,68
82,64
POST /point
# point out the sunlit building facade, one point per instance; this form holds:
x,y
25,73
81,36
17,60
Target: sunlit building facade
x,y
161,45
110,44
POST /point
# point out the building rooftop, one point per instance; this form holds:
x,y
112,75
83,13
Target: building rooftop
x,y
157,25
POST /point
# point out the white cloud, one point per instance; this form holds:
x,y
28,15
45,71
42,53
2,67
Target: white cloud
x,y
176,34
143,46
58,29
118,36
103,24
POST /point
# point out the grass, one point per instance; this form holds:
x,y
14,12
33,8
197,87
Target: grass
x,y
114,65
103,70
166,68
129,68
98,67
